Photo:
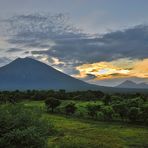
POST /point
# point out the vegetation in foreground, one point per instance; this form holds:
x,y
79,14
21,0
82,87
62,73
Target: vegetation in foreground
x,y
58,123
22,128
71,132
111,107
134,110
76,132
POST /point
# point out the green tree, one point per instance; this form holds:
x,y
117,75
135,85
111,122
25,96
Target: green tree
x,y
107,99
92,110
28,137
108,112
22,128
121,109
133,114
135,102
70,108
144,113
52,103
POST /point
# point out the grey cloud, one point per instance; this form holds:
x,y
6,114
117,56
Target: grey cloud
x,y
4,61
14,50
71,45
112,46
131,43
89,77
35,29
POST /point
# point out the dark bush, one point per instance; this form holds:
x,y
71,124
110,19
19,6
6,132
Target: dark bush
x,y
92,110
70,108
144,113
108,113
107,99
22,128
121,109
51,103
134,114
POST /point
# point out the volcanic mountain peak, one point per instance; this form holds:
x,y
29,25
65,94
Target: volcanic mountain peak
x,y
28,73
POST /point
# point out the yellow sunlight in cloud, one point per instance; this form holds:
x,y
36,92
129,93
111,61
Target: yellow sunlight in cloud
x,y
140,69
116,69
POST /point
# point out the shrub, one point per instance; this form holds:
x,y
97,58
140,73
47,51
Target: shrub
x,y
121,109
136,102
144,113
107,99
108,113
133,114
23,138
92,110
22,128
100,115
70,108
52,103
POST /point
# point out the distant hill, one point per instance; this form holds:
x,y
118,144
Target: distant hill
x,y
131,84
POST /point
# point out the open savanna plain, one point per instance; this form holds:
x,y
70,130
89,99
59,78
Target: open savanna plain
x,y
77,132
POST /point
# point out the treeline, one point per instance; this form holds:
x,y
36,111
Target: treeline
x,y
112,108
115,107
15,96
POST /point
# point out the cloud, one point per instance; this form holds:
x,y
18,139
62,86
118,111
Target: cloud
x,y
4,60
14,50
101,70
130,43
88,77
114,69
38,29
66,47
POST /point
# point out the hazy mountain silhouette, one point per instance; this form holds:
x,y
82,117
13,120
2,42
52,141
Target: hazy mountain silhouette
x,y
131,84
27,73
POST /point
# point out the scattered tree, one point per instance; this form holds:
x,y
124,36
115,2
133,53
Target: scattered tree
x,y
52,103
70,108
144,113
22,128
92,110
121,109
133,114
108,113
107,99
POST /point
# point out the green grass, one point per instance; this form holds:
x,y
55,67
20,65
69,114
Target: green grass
x,y
82,133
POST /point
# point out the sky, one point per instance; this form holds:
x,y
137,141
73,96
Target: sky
x,y
104,42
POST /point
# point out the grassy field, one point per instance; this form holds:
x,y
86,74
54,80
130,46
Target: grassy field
x,y
82,133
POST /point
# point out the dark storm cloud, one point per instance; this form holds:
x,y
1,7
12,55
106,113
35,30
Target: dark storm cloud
x,y
71,45
131,43
14,50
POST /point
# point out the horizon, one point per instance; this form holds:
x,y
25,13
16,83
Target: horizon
x,y
25,58
99,42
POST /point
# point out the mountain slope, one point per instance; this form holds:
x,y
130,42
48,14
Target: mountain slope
x,y
28,73
131,84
